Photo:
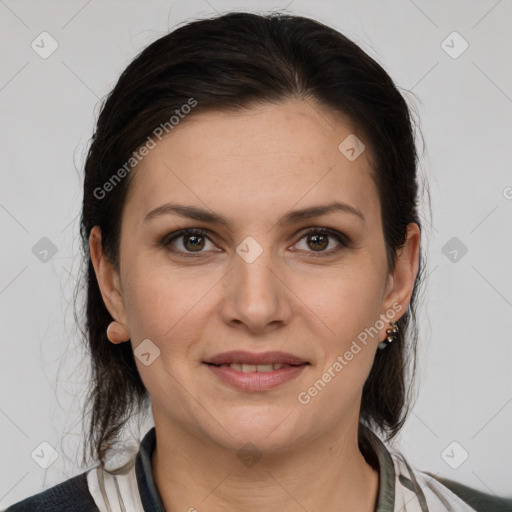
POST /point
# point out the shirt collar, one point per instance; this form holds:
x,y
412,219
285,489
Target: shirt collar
x,y
149,495
377,452
376,449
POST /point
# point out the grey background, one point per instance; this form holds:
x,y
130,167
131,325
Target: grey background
x,y
48,107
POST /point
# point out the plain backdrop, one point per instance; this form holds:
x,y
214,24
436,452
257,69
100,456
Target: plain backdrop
x,y
461,87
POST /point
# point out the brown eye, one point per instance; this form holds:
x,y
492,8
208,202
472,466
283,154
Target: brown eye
x,y
186,242
318,239
319,242
193,242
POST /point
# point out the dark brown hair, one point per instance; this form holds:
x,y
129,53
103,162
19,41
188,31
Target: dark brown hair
x,y
235,61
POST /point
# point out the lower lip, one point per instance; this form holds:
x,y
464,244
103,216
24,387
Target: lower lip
x,y
256,381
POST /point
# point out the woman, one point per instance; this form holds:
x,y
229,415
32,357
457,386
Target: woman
x,y
252,245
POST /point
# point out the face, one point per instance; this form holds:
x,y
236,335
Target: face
x,y
313,286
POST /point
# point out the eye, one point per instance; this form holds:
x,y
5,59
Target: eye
x,y
318,239
193,241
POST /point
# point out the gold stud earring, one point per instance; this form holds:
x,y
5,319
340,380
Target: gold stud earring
x,y
117,332
391,335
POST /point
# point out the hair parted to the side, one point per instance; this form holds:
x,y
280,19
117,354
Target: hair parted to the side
x,y
229,62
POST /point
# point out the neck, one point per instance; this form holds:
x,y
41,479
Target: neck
x,y
329,473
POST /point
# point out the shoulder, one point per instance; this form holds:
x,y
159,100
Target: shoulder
x,y
478,500
69,496
433,492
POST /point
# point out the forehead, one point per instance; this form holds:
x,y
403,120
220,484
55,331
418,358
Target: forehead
x,y
261,160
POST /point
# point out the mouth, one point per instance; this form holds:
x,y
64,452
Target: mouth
x,y
260,368
256,372
262,359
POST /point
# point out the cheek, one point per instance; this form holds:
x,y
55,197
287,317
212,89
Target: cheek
x,y
147,306
346,348
341,312
347,300
170,309
157,299
160,307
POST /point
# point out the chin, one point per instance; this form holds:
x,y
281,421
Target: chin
x,y
269,432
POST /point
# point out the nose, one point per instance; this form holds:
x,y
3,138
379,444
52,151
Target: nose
x,y
256,295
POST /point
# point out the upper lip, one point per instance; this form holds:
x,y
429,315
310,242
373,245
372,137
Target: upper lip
x,y
242,357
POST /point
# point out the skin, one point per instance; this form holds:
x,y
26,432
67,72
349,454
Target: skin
x,y
253,167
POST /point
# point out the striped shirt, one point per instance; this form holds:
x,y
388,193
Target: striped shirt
x,y
132,488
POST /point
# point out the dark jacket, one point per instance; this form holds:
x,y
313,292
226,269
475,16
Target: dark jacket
x,y
74,495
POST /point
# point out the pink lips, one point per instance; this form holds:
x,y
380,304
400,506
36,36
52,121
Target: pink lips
x,y
256,381
241,357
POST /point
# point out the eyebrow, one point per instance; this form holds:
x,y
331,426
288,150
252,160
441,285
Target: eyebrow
x,y
193,212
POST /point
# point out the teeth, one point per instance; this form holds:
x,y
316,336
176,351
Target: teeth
x,y
246,368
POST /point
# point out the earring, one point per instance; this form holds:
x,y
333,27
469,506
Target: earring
x,y
392,334
117,332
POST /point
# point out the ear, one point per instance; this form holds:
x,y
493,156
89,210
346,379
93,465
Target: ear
x,y
108,278
401,281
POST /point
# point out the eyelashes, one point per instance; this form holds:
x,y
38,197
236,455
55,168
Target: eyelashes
x,y
321,233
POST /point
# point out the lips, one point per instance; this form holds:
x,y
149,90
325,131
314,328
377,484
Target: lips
x,y
255,372
238,357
